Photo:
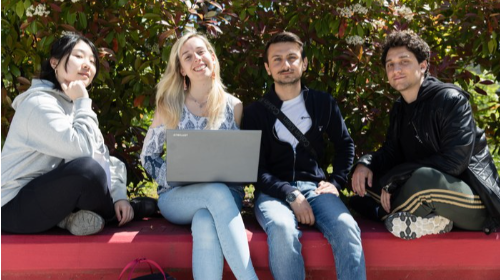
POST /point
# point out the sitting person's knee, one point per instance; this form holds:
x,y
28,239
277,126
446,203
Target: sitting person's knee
x,y
424,178
89,168
425,172
219,192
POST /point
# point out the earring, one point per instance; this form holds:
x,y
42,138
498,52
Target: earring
x,y
213,75
55,71
185,85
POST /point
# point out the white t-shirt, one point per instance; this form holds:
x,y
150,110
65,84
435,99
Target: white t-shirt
x,y
295,110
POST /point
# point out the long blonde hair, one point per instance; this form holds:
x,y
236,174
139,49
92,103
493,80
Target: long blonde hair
x,y
170,94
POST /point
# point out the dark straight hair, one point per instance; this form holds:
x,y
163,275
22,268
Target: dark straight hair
x,y
60,48
284,37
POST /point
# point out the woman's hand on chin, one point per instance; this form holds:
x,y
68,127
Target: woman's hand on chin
x,y
75,89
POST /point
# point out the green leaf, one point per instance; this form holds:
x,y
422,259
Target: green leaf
x,y
83,19
137,88
144,80
121,39
5,64
15,70
164,54
137,63
32,27
28,43
143,66
243,15
127,79
317,27
27,3
360,31
71,18
4,68
334,26
19,53
9,42
251,10
50,39
152,16
126,73
122,3
8,76
19,9
293,20
492,46
109,37
17,58
324,28
135,36
41,44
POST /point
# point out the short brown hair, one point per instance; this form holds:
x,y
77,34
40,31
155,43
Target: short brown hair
x,y
408,39
282,37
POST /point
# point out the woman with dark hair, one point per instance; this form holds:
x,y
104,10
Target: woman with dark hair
x,y
56,169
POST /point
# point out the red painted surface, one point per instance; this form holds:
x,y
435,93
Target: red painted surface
x,y
58,255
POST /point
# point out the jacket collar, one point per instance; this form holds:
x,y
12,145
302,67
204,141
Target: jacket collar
x,y
432,86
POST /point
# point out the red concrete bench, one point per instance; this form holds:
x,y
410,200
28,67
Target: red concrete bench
x,y
58,255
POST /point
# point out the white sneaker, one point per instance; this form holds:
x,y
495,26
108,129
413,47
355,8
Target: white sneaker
x,y
83,222
408,226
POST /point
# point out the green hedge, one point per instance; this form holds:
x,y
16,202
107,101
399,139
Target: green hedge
x,y
342,44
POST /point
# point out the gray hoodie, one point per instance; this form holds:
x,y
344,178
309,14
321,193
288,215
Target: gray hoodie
x,y
49,129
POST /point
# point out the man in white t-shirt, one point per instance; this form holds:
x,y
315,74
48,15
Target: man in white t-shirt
x,y
292,188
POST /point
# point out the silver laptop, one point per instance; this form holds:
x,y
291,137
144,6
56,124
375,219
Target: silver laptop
x,y
195,156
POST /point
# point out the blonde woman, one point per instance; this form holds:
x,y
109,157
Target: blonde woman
x,y
191,96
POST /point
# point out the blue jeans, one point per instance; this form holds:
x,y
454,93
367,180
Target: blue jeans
x,y
213,210
332,219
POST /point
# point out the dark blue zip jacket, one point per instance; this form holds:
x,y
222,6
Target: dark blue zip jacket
x,y
279,164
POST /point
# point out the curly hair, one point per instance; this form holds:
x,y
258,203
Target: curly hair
x,y
408,39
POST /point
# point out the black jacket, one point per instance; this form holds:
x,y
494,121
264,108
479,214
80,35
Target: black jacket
x,y
446,130
279,165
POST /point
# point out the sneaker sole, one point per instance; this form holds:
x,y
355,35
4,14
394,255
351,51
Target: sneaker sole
x,y
407,226
85,222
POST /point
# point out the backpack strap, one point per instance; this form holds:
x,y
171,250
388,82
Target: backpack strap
x,y
289,125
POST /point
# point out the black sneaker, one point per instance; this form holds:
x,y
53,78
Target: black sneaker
x,y
144,207
408,226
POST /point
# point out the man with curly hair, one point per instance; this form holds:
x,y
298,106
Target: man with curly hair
x,y
434,170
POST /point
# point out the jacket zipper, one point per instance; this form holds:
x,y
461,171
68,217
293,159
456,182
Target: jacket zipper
x,y
416,133
294,161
